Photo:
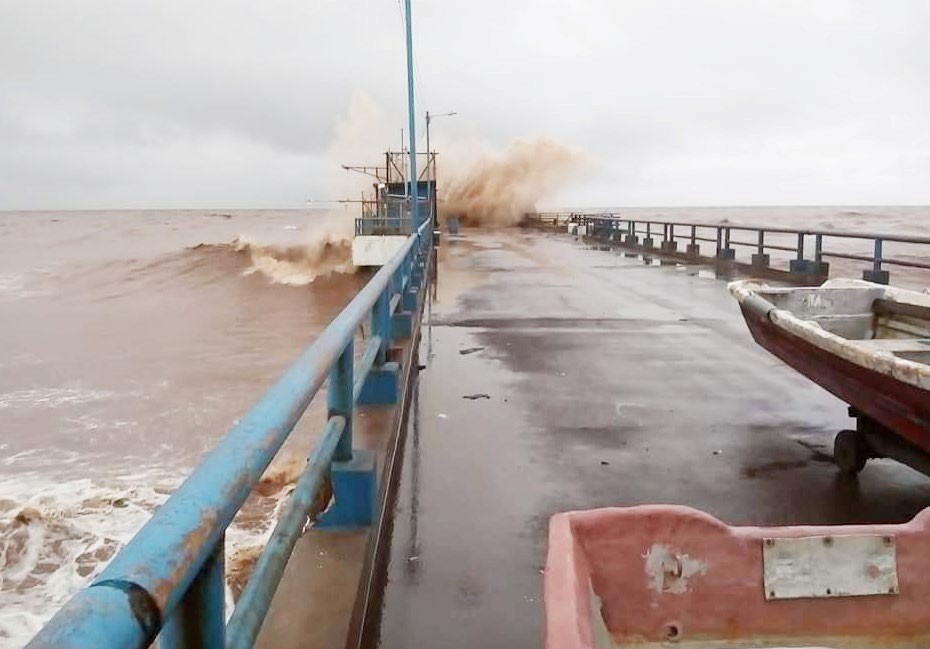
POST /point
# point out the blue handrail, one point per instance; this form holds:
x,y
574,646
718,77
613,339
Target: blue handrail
x,y
169,578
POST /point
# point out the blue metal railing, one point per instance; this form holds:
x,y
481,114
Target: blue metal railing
x,y
169,580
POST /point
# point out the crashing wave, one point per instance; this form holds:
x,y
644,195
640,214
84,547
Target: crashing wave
x,y
301,264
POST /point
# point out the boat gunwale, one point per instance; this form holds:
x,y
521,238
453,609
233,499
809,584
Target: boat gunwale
x,y
747,293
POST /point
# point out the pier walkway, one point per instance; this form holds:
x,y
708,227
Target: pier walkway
x,y
607,382
545,375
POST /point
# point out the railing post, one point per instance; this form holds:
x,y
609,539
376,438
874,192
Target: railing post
x,y
411,293
631,239
352,472
199,620
339,400
381,324
669,245
876,275
647,242
801,265
724,251
694,251
821,267
394,284
760,260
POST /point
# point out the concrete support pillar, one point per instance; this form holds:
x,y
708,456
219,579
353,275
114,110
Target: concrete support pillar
x,y
879,277
821,268
381,386
355,489
408,301
401,326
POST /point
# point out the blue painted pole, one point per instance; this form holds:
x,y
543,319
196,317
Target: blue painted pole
x,y
365,364
381,324
412,125
199,621
341,400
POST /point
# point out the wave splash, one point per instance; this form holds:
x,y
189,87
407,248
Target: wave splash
x,y
54,539
497,189
328,251
58,537
301,264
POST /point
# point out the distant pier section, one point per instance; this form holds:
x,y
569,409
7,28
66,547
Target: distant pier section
x,y
792,255
386,223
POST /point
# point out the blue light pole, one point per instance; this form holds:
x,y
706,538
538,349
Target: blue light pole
x,y
414,193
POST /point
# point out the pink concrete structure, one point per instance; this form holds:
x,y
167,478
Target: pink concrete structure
x,y
662,574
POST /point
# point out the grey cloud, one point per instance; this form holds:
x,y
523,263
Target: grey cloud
x,y
107,103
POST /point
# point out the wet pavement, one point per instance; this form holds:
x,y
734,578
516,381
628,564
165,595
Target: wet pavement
x,y
561,377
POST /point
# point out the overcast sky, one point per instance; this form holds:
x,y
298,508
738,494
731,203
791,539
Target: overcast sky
x,y
227,103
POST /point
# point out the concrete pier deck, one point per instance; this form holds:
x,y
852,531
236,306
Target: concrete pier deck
x,y
560,377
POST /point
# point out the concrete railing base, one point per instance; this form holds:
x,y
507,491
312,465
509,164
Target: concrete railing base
x,y
355,492
380,387
881,277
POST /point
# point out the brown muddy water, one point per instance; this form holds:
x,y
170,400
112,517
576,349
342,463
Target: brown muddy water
x,y
130,342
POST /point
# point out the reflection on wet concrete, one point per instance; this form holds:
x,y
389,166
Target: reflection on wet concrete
x,y
609,383
413,543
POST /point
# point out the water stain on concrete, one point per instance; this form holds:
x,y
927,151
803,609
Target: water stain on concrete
x,y
769,468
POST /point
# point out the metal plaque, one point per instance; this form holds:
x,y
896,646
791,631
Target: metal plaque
x,y
829,566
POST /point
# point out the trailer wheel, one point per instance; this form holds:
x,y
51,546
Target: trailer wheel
x,y
850,452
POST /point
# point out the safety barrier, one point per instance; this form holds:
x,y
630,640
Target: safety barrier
x,y
383,225
808,254
168,581
552,219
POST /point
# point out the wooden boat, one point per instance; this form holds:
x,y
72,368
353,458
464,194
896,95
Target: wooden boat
x,y
868,344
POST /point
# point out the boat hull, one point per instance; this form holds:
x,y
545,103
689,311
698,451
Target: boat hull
x,y
661,576
899,407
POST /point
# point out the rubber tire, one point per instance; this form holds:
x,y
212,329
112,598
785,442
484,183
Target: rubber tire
x,y
850,452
